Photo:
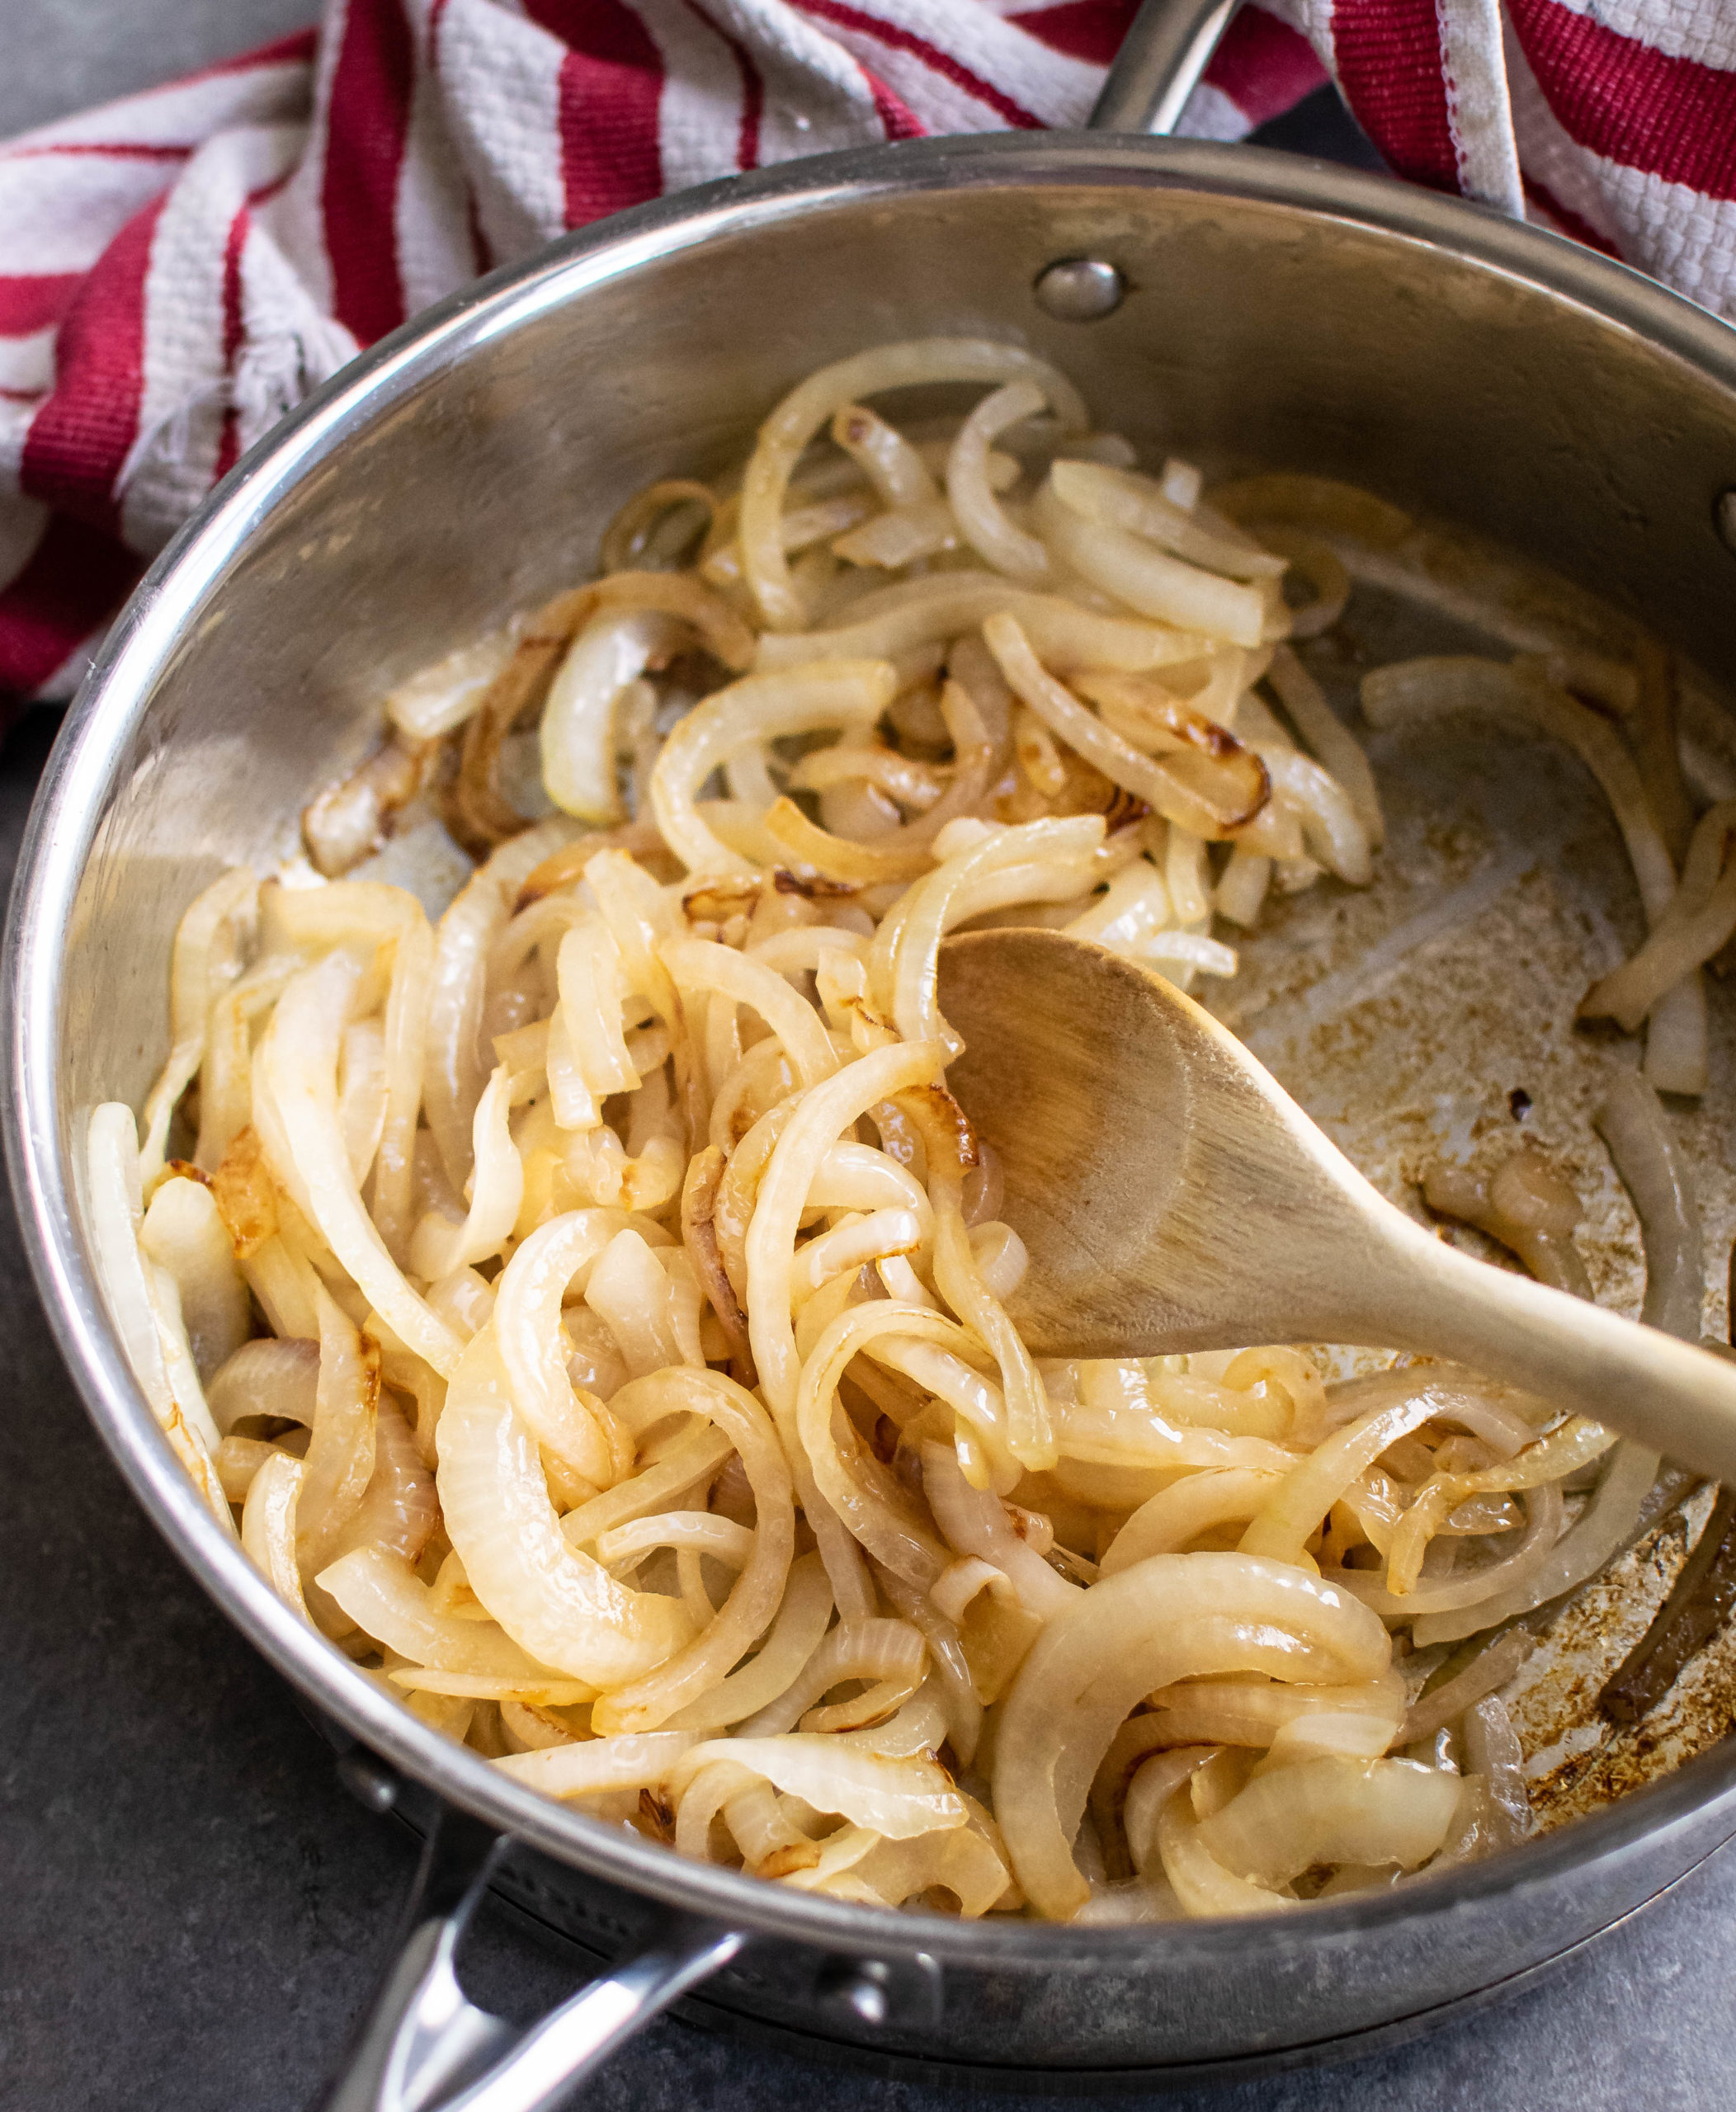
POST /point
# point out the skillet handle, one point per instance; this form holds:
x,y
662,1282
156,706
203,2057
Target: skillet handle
x,y
424,2047
1161,59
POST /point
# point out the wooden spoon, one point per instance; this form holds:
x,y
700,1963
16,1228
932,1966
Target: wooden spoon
x,y
1174,1197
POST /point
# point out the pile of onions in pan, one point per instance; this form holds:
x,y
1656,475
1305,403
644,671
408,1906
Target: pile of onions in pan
x,y
594,1308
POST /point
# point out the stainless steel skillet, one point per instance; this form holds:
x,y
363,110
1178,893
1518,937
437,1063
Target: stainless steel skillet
x,y
1265,311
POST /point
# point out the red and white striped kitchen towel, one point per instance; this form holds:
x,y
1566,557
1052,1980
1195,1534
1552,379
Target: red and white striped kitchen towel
x,y
179,269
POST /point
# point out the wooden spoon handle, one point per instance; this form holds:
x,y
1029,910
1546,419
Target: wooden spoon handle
x,y
1676,1397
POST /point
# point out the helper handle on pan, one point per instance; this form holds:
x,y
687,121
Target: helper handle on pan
x,y
425,2047
1162,57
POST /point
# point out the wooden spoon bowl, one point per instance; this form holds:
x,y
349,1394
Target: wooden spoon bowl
x,y
1174,1197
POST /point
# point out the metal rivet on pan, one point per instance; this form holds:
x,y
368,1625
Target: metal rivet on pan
x,y
1724,514
370,1781
860,1987
1079,289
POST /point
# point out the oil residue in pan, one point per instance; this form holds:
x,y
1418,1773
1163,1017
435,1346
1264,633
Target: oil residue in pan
x,y
1431,1017
1576,1760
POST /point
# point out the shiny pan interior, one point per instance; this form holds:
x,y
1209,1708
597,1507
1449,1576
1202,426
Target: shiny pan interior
x,y
1280,314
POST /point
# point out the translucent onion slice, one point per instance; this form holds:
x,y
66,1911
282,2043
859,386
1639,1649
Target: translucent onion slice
x,y
1224,771
975,1523
1493,1750
896,470
720,1538
901,536
340,1458
1410,1594
871,1649
699,964
898,622
351,818
813,402
1143,1435
1161,784
1601,1530
239,1458
1245,1713
1330,822
1123,498
650,518
853,1243
1153,1779
1148,579
1323,569
557,1604
296,1073
820,1117
398,1510
770,1843
959,1582
961,1860
579,732
361,1094
455,1072
225,1088
1333,1809
1698,922
1166,1522
755,1596
1171,1617
1295,1508
629,1762
682,1470
904,960
591,975
1320,502
438,1247
843,693
975,507
795,1635
1491,1668
1134,904
268,1531
843,858
444,694
879,1512
1340,1734
632,1293
150,1333
900,1798
540,1695
183,1232
577,1428
1658,1175
386,1599
1173,951
210,945
1573,1445
1199,1881
269,1377
949,1680
1331,741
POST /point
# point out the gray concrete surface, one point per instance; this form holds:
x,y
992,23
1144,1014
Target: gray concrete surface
x,y
60,55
